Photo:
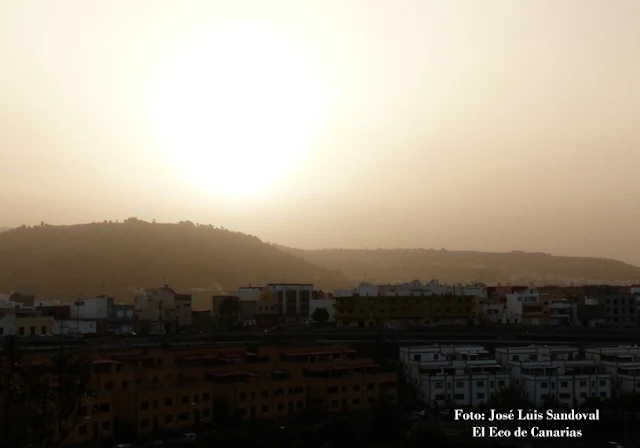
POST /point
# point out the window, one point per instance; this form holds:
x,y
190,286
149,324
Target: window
x,y
144,405
564,384
500,383
480,396
144,423
583,384
356,387
168,418
299,404
440,397
168,401
183,416
196,398
459,396
459,385
108,385
185,399
43,330
564,396
480,383
265,409
334,403
205,412
370,386
544,385
490,383
603,394
21,332
280,392
356,402
602,382
438,385
280,406
33,331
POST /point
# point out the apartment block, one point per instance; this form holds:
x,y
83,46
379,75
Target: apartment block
x,y
450,376
623,363
162,310
557,374
620,310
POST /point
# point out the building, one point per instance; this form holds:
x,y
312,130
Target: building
x,y
555,375
374,310
561,312
589,312
620,310
93,308
623,363
323,301
25,324
178,390
74,327
122,319
292,300
453,376
162,310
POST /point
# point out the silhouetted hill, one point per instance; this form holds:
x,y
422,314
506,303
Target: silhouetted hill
x,y
63,261
4,229
390,265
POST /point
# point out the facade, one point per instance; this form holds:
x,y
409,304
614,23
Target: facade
x,y
453,376
623,363
366,311
179,390
620,310
292,300
93,308
324,303
122,319
162,310
75,326
25,324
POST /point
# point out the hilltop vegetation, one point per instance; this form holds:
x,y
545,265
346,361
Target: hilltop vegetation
x,y
88,259
390,265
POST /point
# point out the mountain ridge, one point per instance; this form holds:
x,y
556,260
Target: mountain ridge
x,y
390,265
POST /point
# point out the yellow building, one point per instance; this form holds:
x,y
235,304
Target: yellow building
x,y
358,311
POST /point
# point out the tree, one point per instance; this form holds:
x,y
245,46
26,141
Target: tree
x,y
507,398
320,315
40,398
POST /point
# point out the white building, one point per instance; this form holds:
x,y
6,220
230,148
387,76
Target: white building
x,y
623,363
292,299
536,353
560,312
327,304
461,382
568,383
93,308
70,326
453,375
554,373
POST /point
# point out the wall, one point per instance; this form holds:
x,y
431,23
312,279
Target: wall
x,y
92,308
74,326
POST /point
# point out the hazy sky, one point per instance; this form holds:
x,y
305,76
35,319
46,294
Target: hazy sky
x,y
487,125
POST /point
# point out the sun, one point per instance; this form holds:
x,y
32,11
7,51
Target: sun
x,y
235,109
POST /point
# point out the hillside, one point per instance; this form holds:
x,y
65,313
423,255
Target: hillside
x,y
390,265
63,261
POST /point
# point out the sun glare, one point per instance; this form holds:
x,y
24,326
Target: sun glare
x,y
236,109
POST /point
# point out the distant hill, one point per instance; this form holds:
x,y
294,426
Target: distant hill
x,y
390,265
63,261
4,229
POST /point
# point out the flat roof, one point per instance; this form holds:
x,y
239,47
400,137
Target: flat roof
x,y
340,367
